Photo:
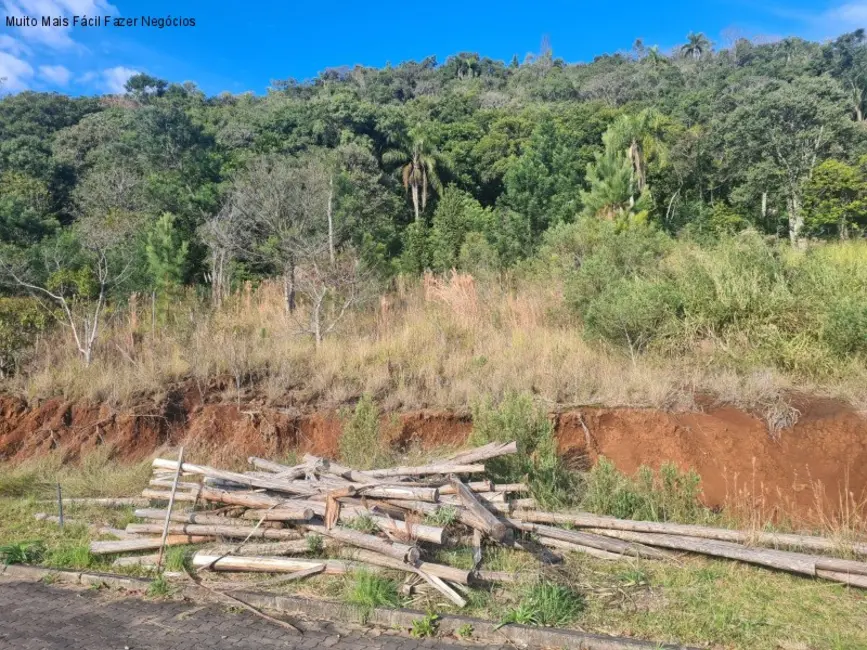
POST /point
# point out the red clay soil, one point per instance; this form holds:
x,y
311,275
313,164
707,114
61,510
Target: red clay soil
x,y
824,454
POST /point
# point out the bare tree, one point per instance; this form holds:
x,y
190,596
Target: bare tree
x,y
223,236
100,240
330,289
282,204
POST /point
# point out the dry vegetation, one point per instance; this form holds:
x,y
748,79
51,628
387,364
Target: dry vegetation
x,y
443,342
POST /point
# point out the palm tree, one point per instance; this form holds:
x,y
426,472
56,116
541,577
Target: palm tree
x,y
418,162
697,45
640,138
655,57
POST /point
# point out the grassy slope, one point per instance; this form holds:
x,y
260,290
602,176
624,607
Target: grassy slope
x,y
696,600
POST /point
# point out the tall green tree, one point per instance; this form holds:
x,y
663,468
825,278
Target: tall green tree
x,y
420,164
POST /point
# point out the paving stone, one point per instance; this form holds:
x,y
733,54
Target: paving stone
x,y
36,616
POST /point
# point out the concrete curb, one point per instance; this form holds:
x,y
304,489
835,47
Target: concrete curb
x,y
520,635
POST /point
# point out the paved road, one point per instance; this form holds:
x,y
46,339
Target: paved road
x,y
35,616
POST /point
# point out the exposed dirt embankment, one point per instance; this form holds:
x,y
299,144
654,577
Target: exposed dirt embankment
x,y
730,449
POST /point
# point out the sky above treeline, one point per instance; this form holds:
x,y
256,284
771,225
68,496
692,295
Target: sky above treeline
x,y
237,47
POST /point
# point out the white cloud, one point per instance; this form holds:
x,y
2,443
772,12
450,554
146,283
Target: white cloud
x,y
849,15
56,74
12,45
14,72
113,79
55,37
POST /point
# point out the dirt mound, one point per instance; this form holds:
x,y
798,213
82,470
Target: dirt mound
x,y
807,469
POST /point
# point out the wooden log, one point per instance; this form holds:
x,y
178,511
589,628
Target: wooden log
x,y
511,487
290,547
449,468
524,504
449,573
147,544
286,513
242,498
199,518
400,552
593,541
438,584
408,531
167,483
496,507
782,560
485,452
475,486
495,576
284,471
561,545
588,520
277,485
429,495
165,495
326,466
104,502
233,532
258,564
172,495
855,580
490,525
463,515
840,566
136,560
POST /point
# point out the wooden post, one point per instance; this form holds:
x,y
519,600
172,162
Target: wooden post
x,y
169,509
59,506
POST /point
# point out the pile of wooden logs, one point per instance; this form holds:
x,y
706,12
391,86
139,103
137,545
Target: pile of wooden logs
x,y
392,518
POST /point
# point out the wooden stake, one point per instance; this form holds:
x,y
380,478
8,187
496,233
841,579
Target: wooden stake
x,y
169,509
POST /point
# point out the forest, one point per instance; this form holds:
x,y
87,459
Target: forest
x,y
709,202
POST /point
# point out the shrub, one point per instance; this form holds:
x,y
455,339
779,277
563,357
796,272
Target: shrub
x,y
22,553
845,327
361,444
22,320
669,495
517,418
632,313
425,627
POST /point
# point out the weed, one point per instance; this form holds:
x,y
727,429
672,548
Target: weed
x,y
517,418
159,588
315,545
465,631
363,523
368,590
443,516
361,444
22,553
425,627
670,495
177,558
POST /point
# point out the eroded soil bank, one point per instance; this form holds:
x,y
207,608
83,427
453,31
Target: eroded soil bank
x,y
808,469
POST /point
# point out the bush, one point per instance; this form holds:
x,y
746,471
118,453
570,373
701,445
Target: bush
x,y
669,495
632,313
361,444
537,462
22,320
845,327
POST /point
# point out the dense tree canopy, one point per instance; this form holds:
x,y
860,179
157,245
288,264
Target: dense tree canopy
x,y
429,165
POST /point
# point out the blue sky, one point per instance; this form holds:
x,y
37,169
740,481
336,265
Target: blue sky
x,y
240,47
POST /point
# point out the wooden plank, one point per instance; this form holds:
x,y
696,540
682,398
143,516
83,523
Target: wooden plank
x,y
488,523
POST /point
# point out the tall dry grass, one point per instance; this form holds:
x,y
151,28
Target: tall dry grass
x,y
437,342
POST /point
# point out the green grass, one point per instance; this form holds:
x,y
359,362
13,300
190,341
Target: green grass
x,y
368,590
547,603
443,516
75,556
177,558
363,523
425,627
